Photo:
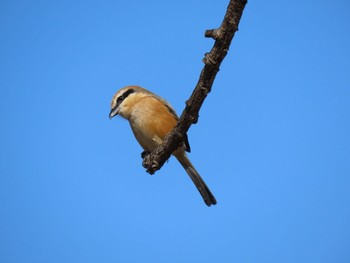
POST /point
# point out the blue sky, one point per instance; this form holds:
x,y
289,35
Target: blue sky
x,y
272,141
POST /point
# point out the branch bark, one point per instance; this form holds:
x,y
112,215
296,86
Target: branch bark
x,y
212,61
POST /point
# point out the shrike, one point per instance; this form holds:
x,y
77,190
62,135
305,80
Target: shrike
x,y
151,118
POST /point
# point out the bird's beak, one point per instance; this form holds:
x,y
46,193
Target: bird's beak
x,y
113,112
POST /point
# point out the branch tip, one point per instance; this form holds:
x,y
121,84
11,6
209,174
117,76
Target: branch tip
x,y
212,61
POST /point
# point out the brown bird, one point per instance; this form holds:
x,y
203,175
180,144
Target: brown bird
x,y
151,118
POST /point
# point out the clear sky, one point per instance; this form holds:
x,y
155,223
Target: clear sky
x,y
272,141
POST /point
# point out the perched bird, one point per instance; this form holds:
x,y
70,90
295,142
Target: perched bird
x,y
151,118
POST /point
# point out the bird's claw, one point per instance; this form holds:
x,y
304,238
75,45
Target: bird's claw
x,y
144,154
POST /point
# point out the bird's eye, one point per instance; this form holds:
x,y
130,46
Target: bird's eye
x,y
124,95
120,98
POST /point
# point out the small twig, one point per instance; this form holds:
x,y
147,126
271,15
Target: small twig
x,y
213,33
212,61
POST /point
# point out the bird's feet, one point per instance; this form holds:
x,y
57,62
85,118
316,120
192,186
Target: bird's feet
x,y
144,154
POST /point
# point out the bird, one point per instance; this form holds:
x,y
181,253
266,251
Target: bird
x,y
151,118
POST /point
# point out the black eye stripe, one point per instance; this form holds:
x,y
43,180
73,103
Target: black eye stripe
x,y
124,95
127,93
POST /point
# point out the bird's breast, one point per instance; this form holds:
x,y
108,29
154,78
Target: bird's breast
x,y
142,135
151,121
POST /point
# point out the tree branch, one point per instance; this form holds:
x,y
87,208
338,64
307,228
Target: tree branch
x,y
212,61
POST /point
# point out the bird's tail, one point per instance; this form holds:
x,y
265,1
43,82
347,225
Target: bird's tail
x,y
203,189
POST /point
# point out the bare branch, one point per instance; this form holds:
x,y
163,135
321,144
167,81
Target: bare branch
x,y
212,61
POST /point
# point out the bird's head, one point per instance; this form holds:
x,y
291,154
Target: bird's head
x,y
124,100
